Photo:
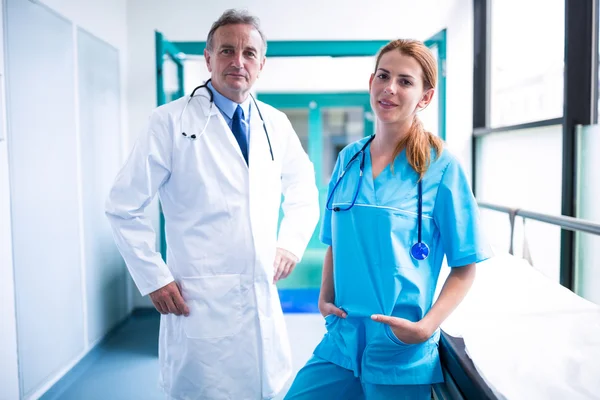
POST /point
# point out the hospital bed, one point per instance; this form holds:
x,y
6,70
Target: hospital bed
x,y
520,335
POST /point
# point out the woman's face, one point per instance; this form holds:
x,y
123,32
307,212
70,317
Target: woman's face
x,y
397,89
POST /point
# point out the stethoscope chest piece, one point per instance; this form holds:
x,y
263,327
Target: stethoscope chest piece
x,y
419,251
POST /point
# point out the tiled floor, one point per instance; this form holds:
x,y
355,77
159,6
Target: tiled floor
x,y
125,367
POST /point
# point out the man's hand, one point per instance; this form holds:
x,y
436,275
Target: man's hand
x,y
406,331
168,300
284,264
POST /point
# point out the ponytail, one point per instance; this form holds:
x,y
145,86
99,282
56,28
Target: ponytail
x,y
418,144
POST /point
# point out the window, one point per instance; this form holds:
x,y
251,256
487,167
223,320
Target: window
x,y
527,58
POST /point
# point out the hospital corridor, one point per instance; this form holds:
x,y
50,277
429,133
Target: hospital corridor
x,y
271,200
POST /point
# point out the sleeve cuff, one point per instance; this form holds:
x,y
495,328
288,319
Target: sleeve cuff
x,y
326,240
470,259
161,282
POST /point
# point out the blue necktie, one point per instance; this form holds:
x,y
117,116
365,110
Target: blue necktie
x,y
240,131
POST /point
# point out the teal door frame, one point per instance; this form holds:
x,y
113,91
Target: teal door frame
x,y
439,42
346,48
177,51
164,49
315,102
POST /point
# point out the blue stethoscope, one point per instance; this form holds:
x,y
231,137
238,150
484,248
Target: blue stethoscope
x,y
419,251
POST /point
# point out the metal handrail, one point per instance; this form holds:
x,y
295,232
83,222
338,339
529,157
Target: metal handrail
x,y
569,223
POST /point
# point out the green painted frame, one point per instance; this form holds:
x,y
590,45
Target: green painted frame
x,y
315,102
439,41
332,48
346,48
166,48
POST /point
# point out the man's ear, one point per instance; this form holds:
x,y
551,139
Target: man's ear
x,y
207,59
262,64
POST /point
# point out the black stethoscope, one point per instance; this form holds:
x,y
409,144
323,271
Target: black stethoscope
x,y
419,250
212,103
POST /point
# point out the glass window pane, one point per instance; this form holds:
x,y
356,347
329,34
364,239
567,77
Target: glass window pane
x,y
316,74
527,58
170,78
537,242
540,244
194,72
496,226
588,246
299,119
588,171
521,169
297,74
341,125
587,273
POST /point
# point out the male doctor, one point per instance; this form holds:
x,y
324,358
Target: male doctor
x,y
222,331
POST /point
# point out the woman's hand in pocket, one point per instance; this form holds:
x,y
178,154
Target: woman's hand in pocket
x,y
327,308
406,331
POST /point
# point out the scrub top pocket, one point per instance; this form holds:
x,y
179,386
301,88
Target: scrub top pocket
x,y
215,306
330,320
402,228
392,336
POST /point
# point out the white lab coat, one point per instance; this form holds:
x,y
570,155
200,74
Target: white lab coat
x,y
221,232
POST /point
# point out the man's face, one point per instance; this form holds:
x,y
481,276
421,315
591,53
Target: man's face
x,y
235,60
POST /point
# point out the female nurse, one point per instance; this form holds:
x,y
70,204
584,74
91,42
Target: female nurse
x,y
398,203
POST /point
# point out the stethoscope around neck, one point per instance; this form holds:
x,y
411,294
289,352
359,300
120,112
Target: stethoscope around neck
x,y
419,251
212,104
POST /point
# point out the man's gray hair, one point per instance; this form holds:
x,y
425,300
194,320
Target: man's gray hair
x,y
232,17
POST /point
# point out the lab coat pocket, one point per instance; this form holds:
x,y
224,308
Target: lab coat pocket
x,y
215,306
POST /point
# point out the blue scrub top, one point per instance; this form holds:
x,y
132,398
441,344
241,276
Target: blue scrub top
x,y
374,272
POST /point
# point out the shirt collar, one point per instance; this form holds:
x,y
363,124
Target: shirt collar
x,y
228,106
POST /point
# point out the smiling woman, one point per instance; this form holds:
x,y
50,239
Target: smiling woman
x,y
388,192
402,85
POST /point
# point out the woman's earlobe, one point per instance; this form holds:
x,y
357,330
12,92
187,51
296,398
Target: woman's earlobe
x,y
421,107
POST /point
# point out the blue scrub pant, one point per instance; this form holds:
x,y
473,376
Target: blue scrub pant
x,y
320,379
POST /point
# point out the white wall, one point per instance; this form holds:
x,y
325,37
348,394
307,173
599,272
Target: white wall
x,y
190,20
457,18
9,378
107,20
67,292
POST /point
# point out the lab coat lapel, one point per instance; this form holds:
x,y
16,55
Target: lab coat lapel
x,y
258,151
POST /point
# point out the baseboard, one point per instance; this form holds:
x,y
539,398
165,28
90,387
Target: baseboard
x,y
72,375
142,312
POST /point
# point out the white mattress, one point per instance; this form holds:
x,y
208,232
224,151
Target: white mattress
x,y
528,337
